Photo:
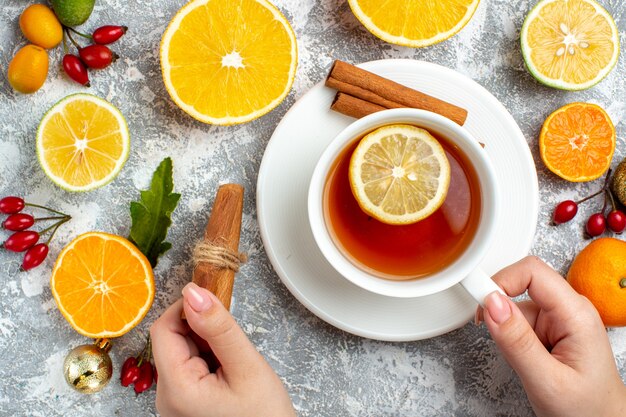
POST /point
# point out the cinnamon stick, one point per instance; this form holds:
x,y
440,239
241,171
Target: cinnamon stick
x,y
223,229
382,92
353,106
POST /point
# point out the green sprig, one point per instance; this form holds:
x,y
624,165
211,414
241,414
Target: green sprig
x,y
151,215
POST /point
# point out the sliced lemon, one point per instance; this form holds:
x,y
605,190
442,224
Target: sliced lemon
x,y
569,44
82,142
226,62
415,23
399,174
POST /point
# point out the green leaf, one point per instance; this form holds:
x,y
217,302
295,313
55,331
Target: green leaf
x,y
151,215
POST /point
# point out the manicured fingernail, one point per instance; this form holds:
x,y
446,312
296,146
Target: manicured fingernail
x,y
197,298
477,317
498,308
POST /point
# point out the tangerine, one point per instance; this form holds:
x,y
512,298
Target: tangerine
x,y
577,142
599,273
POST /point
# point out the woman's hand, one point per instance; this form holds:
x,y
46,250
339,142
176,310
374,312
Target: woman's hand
x,y
556,343
244,385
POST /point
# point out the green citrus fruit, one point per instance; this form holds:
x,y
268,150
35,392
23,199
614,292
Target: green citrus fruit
x,y
73,12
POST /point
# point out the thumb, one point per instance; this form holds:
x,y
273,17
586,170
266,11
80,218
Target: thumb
x,y
517,340
208,318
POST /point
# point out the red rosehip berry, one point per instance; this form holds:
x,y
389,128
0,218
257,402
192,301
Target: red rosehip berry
x,y
35,256
132,361
129,372
11,205
130,376
20,241
108,34
97,56
76,70
565,211
596,225
146,378
616,221
18,221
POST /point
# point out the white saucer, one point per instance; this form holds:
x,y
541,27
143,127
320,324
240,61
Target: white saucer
x,y
282,187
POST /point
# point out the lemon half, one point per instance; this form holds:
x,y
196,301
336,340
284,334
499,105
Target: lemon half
x,y
569,44
82,142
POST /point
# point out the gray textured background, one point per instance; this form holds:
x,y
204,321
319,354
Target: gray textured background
x,y
327,372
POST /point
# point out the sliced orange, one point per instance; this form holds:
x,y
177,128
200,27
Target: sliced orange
x,y
226,62
577,142
102,284
399,174
415,23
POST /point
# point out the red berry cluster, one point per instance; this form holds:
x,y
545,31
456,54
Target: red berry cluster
x,y
23,239
95,56
597,222
138,370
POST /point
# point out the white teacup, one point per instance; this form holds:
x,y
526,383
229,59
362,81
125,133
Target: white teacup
x,y
464,269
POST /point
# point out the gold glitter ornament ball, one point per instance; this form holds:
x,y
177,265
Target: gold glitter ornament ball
x,y
88,368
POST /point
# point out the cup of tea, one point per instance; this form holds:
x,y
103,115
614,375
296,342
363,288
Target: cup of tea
x,y
410,260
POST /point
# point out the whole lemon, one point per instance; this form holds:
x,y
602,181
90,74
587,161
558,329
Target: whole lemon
x,y
28,69
73,12
599,273
40,25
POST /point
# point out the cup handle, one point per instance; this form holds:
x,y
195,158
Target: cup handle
x,y
479,285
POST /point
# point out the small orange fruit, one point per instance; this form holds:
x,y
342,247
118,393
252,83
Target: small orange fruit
x,y
599,273
40,26
28,69
102,284
577,142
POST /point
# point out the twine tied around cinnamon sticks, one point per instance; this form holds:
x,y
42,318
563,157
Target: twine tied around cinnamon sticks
x,y
218,256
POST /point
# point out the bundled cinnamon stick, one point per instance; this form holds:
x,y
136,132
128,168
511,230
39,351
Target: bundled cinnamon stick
x,y
216,258
361,92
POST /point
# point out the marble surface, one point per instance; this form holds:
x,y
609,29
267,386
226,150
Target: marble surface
x,y
327,372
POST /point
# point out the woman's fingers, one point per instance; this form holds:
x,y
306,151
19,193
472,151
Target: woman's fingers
x,y
545,286
208,318
170,342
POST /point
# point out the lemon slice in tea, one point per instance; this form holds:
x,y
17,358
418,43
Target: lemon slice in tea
x,y
399,174
82,142
569,44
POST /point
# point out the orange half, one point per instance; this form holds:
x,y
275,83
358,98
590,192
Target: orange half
x,y
414,23
577,142
102,284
